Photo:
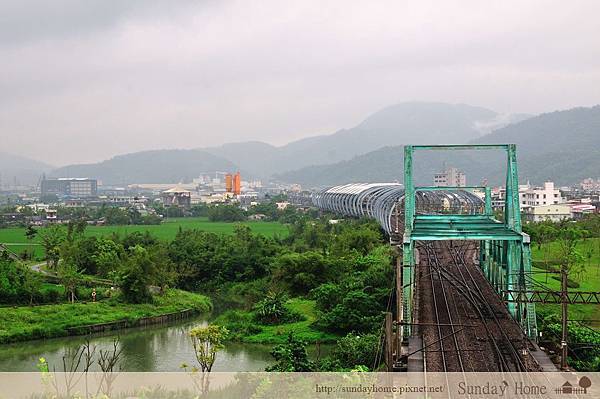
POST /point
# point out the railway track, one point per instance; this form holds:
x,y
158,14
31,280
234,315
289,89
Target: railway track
x,y
464,325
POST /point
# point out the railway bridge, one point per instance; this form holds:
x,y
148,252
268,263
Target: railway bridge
x,y
463,287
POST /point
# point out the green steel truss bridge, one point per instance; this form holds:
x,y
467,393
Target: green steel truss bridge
x,y
504,250
411,214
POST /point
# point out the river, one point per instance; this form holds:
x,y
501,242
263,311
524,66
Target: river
x,y
153,348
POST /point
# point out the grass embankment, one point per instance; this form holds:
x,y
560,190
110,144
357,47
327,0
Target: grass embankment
x,y
588,279
16,241
47,321
244,328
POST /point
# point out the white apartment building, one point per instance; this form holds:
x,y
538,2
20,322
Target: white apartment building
x,y
451,177
537,196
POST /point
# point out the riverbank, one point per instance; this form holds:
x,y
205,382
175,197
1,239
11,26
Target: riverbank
x,y
24,323
244,328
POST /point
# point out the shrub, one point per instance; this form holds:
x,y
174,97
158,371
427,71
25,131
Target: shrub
x,y
357,311
272,310
355,350
239,324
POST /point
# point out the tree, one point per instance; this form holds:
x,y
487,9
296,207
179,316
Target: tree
x,y
570,261
106,256
356,311
291,356
226,213
116,216
30,233
300,273
569,255
52,239
69,276
207,341
272,310
135,276
355,350
32,283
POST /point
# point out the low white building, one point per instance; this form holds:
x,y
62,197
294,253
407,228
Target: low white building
x,y
536,196
552,212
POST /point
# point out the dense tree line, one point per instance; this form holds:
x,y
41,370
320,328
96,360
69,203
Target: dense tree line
x,y
344,267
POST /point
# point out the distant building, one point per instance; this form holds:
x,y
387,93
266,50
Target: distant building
x,y
70,187
590,184
451,177
51,215
177,196
282,205
552,212
535,196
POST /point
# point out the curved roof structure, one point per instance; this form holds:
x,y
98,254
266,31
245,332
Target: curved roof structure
x,y
384,202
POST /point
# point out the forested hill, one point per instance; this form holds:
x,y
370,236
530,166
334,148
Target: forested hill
x,y
563,146
22,170
161,166
416,122
410,122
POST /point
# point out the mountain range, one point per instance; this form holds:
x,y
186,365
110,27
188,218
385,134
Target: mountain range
x,y
398,124
18,170
413,122
561,145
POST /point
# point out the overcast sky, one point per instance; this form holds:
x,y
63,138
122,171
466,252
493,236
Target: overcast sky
x,y
84,80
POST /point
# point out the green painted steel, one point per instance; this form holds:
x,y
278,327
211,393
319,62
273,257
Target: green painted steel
x,y
505,254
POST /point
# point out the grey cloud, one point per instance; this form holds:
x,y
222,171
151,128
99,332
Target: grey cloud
x,y
85,80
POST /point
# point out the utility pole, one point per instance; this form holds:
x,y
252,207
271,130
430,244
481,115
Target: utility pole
x,y
564,305
399,307
389,358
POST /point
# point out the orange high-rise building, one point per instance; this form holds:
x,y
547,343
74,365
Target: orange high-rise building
x,y
229,183
237,184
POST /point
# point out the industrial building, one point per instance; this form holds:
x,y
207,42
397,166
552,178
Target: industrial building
x,y
451,177
177,196
78,187
233,183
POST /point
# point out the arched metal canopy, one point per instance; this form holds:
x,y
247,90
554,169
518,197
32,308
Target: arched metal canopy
x,y
384,202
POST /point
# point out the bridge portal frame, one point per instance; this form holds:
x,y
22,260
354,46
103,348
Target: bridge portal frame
x,y
505,254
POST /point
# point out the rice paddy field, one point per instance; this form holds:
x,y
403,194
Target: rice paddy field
x,y
588,279
15,240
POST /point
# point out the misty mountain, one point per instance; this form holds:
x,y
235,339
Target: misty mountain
x,y
160,166
412,122
20,169
398,124
563,146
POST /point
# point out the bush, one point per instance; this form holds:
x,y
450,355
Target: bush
x,y
357,311
355,350
226,213
326,296
291,357
239,324
272,310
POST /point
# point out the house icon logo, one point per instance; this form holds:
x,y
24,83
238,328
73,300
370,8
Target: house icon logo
x,y
567,388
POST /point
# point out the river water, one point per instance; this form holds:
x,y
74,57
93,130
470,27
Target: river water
x,y
153,348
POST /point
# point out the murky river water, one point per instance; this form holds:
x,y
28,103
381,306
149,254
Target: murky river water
x,y
153,348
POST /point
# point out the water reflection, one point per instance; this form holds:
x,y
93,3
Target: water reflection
x,y
155,348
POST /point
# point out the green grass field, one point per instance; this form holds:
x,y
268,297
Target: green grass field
x,y
46,321
16,241
588,280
